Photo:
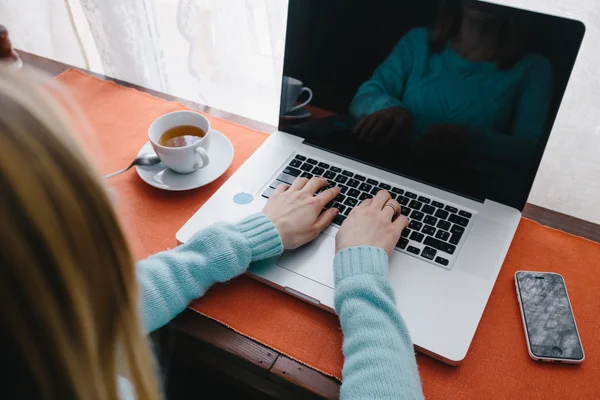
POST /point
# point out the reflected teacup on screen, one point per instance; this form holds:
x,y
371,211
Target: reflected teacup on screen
x,y
292,89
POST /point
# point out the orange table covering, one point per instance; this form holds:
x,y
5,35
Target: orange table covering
x,y
497,364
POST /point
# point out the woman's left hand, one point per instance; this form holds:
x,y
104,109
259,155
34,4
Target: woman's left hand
x,y
296,211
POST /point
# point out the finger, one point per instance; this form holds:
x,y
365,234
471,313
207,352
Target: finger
x,y
391,209
299,183
401,222
328,195
314,184
281,188
326,218
375,132
380,199
358,128
363,204
368,127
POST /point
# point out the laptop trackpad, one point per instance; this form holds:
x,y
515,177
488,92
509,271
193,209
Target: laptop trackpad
x,y
313,260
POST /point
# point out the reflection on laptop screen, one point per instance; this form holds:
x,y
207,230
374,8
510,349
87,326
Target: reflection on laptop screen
x,y
459,94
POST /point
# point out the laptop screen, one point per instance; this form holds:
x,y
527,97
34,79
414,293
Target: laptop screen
x,y
458,94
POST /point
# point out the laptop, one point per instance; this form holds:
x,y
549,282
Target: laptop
x,y
458,146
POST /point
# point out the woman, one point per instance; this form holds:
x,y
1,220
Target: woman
x,y
70,295
467,85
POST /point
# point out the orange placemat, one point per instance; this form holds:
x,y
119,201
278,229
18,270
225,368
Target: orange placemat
x,y
497,364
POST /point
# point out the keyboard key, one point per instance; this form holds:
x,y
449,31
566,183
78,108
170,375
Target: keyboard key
x,y
340,198
416,225
457,229
318,171
430,220
372,182
312,161
405,211
441,214
274,184
365,187
406,232
375,190
341,179
415,204
465,214
354,193
299,157
412,249
445,225
402,243
295,163
339,219
417,237
397,191
424,199
359,178
403,200
455,238
438,244
410,195
442,235
364,196
306,175
268,192
323,165
427,209
437,204
285,178
347,211
416,215
428,230
329,175
353,183
343,188
291,171
428,253
458,220
385,186
451,209
306,167
350,201
347,173
392,195
331,184
441,260
340,207
335,169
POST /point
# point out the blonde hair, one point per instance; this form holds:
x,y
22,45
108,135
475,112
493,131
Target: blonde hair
x,y
68,297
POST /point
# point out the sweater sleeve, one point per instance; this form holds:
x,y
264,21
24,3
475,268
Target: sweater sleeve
x,y
170,280
379,357
386,86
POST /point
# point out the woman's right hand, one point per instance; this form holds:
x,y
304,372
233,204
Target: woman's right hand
x,y
373,223
382,126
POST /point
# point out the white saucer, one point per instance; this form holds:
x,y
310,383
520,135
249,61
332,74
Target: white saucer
x,y
300,113
159,176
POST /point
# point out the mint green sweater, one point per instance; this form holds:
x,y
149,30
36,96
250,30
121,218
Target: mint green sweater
x,y
379,358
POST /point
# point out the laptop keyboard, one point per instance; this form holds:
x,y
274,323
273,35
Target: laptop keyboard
x,y
435,229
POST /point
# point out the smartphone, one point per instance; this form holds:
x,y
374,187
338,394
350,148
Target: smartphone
x,y
550,328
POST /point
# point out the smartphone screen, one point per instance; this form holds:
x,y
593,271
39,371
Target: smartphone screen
x,y
548,317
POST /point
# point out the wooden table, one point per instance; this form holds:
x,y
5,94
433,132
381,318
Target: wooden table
x,y
195,351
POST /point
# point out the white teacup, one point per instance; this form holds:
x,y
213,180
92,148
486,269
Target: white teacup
x,y
186,159
292,89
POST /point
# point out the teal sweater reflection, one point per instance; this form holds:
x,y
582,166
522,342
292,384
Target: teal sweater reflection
x,y
501,109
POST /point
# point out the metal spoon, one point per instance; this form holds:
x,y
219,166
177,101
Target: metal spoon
x,y
145,160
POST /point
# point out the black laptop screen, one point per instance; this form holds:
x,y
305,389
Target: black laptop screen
x,y
458,94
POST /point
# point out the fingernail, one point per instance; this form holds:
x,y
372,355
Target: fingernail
x,y
336,211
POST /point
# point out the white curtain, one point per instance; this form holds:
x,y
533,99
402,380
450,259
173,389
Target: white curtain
x,y
225,54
